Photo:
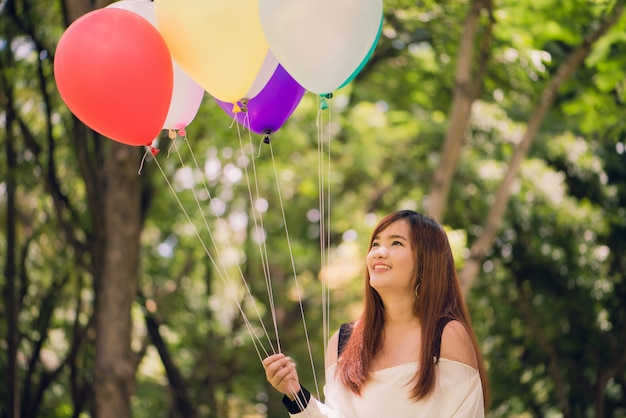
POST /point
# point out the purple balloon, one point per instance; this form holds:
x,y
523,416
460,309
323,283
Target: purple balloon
x,y
268,111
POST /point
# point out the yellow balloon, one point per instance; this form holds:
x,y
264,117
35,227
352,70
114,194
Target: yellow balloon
x,y
218,43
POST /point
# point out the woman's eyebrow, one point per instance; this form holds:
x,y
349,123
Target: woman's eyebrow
x,y
395,236
398,237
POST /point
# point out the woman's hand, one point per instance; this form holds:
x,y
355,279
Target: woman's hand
x,y
282,375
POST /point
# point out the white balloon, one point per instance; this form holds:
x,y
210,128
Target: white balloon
x,y
320,43
263,77
186,99
187,95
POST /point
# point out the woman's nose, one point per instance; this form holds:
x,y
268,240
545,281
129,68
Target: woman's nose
x,y
380,252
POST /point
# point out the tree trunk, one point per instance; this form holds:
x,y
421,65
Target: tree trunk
x,y
466,88
116,265
492,222
116,283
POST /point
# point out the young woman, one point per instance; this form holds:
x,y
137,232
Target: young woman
x,y
412,353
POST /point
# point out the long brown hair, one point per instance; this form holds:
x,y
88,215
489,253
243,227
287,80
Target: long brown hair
x,y
440,297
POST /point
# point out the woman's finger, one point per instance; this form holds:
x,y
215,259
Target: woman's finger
x,y
271,359
276,365
285,373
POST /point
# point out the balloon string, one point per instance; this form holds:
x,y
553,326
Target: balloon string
x,y
324,171
324,238
328,221
219,219
221,271
143,160
328,216
258,224
293,267
172,135
299,403
258,155
149,150
320,204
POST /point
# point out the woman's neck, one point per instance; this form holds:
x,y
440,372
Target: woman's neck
x,y
399,313
401,335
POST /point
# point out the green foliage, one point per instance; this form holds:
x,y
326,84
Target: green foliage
x,y
548,304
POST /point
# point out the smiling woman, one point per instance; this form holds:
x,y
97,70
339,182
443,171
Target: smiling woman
x,y
413,344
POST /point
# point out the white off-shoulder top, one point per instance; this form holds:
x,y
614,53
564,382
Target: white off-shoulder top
x,y
458,393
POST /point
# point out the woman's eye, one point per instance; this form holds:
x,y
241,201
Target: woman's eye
x,y
396,243
374,244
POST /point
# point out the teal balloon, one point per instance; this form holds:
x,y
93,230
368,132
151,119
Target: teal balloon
x,y
367,57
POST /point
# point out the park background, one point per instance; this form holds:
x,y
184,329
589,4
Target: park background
x,y
503,119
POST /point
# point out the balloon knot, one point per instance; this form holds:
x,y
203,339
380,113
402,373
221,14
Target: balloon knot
x,y
154,151
323,102
266,138
182,132
240,106
171,134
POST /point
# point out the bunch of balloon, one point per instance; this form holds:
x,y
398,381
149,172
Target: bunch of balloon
x,y
323,44
219,44
114,71
187,95
267,112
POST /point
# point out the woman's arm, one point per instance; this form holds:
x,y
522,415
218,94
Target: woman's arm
x,y
456,345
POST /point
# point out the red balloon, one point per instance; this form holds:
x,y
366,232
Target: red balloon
x,y
114,72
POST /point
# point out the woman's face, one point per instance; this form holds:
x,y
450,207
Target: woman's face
x,y
391,261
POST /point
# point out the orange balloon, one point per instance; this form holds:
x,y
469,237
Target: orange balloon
x,y
114,71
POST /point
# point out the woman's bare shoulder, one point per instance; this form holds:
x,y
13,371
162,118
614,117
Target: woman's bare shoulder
x,y
456,344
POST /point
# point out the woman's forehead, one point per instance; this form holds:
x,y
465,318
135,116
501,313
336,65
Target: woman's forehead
x,y
397,229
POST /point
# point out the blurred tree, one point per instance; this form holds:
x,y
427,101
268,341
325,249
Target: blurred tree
x,y
125,293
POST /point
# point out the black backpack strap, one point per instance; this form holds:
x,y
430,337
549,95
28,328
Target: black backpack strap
x,y
345,331
441,324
